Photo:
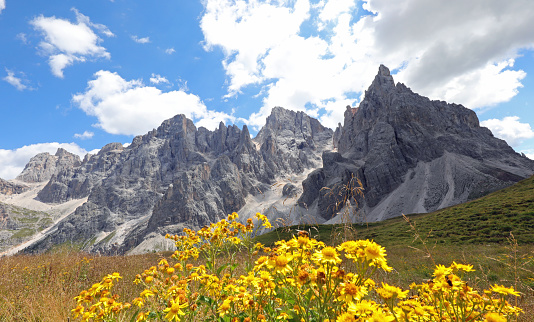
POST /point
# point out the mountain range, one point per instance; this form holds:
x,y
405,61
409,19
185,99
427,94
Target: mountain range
x,y
397,152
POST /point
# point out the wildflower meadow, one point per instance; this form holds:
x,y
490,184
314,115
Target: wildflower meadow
x,y
300,279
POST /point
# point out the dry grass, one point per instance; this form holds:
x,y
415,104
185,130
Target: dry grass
x,y
42,287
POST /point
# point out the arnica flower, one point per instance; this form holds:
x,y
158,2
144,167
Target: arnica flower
x,y
142,316
346,317
77,311
175,310
441,271
462,267
379,316
327,255
494,317
504,290
363,309
374,252
390,292
224,308
280,264
146,293
350,292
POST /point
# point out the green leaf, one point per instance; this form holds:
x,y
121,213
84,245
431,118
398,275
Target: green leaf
x,y
134,317
220,269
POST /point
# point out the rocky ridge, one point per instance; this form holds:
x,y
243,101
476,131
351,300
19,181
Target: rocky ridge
x,y
176,176
43,166
409,153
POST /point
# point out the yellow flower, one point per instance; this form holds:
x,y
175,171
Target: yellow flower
x,y
494,317
374,252
350,292
139,302
224,308
379,316
441,271
504,290
465,268
77,311
390,292
327,255
147,293
142,316
175,310
280,264
363,309
346,317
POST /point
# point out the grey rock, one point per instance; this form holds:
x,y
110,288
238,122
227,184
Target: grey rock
x,y
289,190
43,166
292,141
398,143
177,176
10,188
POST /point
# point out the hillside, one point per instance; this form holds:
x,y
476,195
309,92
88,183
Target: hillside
x,y
489,219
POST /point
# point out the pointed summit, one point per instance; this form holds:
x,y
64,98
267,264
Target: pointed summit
x,y
383,81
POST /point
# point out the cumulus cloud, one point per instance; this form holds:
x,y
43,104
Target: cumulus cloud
x,y
2,5
12,162
132,108
17,82
85,135
321,56
509,129
158,79
170,51
66,43
143,40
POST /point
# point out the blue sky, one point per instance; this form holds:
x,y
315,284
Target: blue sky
x,y
81,74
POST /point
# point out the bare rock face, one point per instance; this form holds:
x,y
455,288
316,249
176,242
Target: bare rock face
x,y
292,141
9,188
177,176
43,166
412,155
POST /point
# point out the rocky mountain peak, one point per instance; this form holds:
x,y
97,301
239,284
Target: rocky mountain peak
x,y
43,166
413,154
383,82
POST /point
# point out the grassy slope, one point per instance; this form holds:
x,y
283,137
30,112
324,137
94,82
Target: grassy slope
x,y
42,287
489,219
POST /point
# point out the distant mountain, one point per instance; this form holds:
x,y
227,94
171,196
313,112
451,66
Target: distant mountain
x,y
410,154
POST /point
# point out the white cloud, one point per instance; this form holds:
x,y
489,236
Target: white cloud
x,y
66,42
22,37
2,5
12,162
158,79
131,108
322,56
247,30
170,51
509,129
143,40
85,135
483,87
15,81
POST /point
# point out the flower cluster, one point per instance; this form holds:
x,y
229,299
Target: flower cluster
x,y
297,280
